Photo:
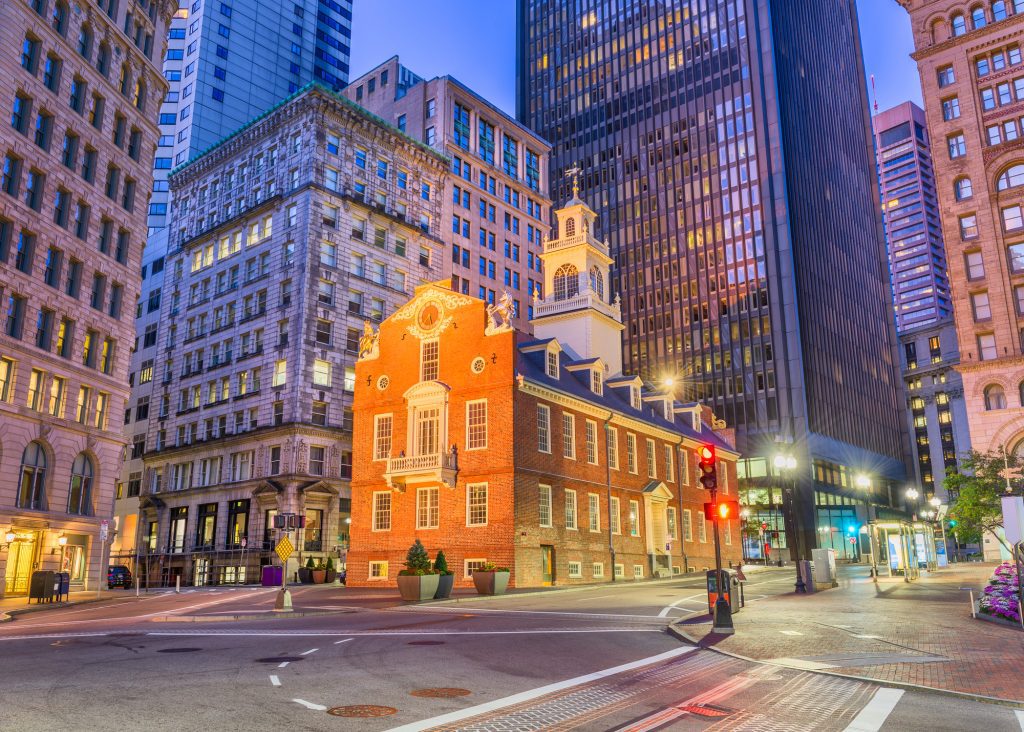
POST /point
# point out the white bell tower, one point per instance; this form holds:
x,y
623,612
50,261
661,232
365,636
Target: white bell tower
x,y
576,307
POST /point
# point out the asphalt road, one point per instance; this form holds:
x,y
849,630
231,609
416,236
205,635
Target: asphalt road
x,y
596,659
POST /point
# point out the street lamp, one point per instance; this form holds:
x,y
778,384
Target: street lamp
x,y
62,541
912,494
863,482
935,501
785,465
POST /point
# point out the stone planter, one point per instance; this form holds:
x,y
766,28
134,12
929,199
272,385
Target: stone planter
x,y
444,586
979,615
319,576
305,575
415,588
490,583
332,575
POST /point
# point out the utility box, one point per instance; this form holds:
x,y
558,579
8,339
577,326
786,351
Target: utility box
x,y
718,585
805,570
824,562
271,576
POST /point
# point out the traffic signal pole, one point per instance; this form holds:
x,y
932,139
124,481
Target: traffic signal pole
x,y
722,622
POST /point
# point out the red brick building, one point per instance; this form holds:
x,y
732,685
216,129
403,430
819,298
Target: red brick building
x,y
532,452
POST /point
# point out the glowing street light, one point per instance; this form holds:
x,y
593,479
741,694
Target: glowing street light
x,y
912,494
935,501
784,462
862,481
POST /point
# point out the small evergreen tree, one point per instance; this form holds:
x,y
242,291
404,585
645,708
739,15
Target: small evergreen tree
x,y
310,564
441,563
416,559
330,564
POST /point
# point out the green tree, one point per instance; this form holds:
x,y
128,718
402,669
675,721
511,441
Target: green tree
x,y
416,559
977,490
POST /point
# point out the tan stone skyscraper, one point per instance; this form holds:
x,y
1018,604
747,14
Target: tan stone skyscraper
x,y
972,74
80,87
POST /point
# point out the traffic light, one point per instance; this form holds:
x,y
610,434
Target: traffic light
x,y
708,470
722,510
952,523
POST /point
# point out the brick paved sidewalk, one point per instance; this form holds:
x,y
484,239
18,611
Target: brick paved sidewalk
x,y
918,633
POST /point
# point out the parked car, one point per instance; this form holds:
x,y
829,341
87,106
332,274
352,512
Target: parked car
x,y
119,576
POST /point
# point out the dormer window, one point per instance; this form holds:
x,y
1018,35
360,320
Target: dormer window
x,y
634,397
552,364
597,381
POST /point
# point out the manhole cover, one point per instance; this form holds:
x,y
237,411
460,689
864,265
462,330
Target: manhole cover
x,y
425,643
279,659
706,710
179,650
361,710
443,692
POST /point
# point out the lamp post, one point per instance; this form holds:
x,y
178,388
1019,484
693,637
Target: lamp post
x,y
745,516
863,482
785,466
937,503
62,541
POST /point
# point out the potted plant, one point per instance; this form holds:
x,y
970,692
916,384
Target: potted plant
x,y
332,574
445,579
491,579
306,573
417,581
319,573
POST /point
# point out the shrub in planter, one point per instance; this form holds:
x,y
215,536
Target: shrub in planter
x,y
320,573
417,581
306,573
445,579
491,579
332,574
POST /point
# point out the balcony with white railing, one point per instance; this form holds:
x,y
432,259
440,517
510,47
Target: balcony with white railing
x,y
555,245
585,298
437,467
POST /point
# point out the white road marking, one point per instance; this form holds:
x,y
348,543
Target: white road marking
x,y
525,696
311,705
311,650
179,610
668,608
54,635
283,664
716,694
343,640
462,609
1020,718
274,680
791,632
874,714
868,636
399,633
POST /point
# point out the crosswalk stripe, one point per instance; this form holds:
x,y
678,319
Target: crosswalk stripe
x,y
874,714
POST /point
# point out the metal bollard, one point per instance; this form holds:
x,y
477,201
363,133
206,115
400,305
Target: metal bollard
x,y
177,583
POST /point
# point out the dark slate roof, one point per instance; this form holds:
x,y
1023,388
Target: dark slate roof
x,y
577,385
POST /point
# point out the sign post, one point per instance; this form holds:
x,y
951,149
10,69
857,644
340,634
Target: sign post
x,y
284,549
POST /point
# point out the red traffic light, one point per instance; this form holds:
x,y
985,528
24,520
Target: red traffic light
x,y
708,472
722,510
707,453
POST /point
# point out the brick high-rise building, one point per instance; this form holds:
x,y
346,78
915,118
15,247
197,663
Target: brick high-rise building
x,y
495,201
80,87
972,76
286,239
917,255
727,146
535,453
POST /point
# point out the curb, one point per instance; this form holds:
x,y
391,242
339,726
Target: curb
x,y
8,616
1011,703
242,616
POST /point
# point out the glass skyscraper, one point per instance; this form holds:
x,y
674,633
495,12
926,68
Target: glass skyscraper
x,y
727,147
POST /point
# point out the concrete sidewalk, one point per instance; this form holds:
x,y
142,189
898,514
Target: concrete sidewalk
x,y
920,633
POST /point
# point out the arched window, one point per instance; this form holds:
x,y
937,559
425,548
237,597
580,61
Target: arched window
x,y
85,41
963,189
103,59
570,226
125,80
995,398
597,281
59,20
80,495
32,492
978,18
1011,177
140,94
567,282
998,10
959,25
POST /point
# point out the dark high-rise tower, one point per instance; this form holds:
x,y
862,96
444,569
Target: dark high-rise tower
x,y
727,147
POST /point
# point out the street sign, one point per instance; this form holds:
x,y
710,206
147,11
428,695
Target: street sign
x,y
853,539
284,549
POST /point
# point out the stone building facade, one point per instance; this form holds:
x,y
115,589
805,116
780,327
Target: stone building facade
x,y
287,238
496,201
80,84
533,453
972,75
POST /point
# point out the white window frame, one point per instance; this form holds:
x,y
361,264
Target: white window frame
x,y
620,570
551,364
591,438
470,426
544,432
611,436
379,453
638,571
631,462
702,527
477,561
568,436
684,466
469,505
597,570
634,518
671,525
652,459
615,515
687,525
544,491
433,512
378,564
594,511
726,532
574,513
670,470
575,570
374,511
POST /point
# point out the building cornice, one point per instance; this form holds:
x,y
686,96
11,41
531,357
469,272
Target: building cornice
x,y
976,37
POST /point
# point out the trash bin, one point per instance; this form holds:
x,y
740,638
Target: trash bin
x,y
41,586
62,585
271,575
714,584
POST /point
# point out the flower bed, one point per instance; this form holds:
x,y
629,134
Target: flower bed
x,y
1002,593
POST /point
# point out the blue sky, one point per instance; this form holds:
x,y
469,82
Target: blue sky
x,y
474,41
